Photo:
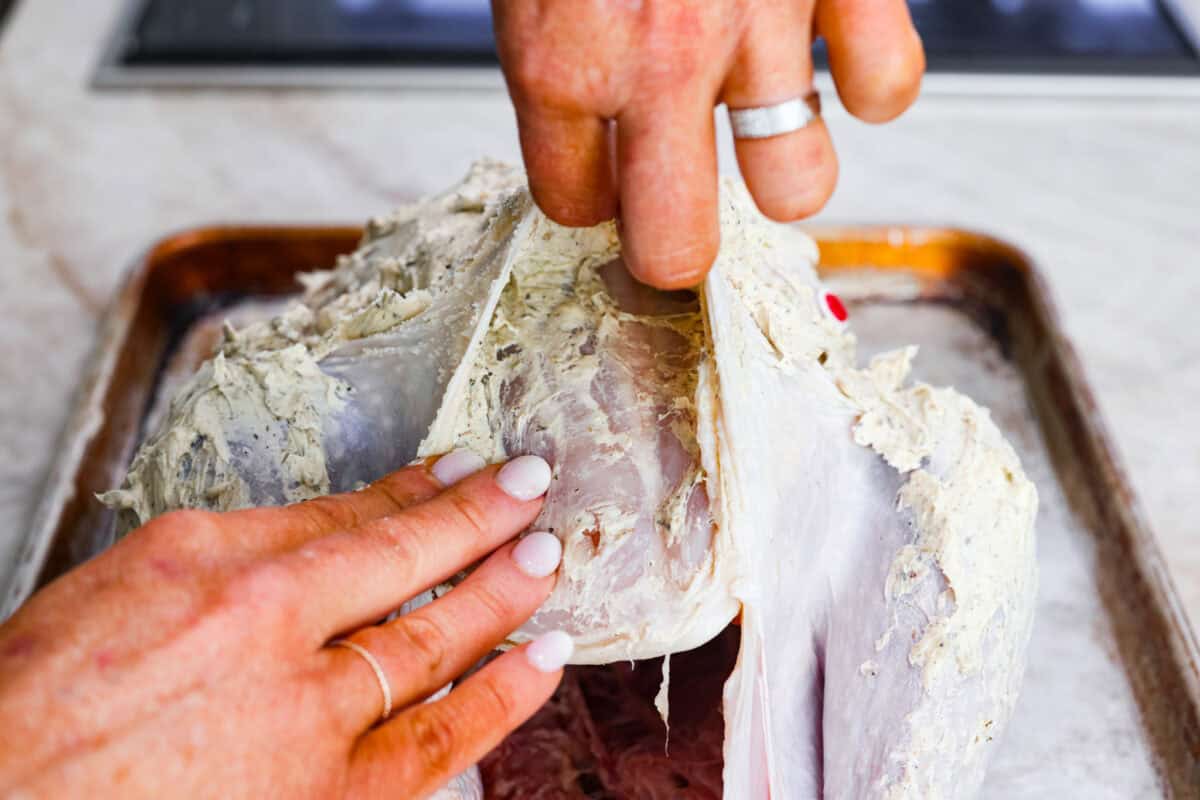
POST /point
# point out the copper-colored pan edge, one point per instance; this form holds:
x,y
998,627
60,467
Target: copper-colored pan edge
x,y
1150,622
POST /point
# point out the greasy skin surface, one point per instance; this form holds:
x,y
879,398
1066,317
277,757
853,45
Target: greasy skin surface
x,y
614,101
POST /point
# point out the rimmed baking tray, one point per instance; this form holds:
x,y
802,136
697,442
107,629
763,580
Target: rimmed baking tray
x,y
1111,706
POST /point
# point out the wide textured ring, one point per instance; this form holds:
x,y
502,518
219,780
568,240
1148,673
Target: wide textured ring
x,y
376,667
767,121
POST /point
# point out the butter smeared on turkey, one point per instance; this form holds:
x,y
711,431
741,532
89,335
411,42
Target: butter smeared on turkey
x,y
714,452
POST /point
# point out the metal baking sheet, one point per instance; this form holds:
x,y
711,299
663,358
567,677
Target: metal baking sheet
x,y
1111,705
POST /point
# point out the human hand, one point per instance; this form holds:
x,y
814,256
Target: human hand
x,y
614,101
191,658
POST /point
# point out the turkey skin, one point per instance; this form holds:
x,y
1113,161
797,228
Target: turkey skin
x,y
717,454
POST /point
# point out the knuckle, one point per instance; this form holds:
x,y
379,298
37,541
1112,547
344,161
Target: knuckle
x,y
434,739
322,513
548,80
497,702
266,589
184,518
177,526
467,515
394,539
177,536
411,484
495,605
532,74
425,638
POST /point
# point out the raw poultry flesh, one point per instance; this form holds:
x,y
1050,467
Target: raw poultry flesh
x,y
716,453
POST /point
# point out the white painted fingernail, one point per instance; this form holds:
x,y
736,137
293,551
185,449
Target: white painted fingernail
x,y
525,477
453,467
550,652
538,554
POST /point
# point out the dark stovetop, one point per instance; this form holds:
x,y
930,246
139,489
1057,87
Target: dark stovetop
x,y
1007,36
5,7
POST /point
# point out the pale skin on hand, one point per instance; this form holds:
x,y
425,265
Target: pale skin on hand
x,y
614,102
191,659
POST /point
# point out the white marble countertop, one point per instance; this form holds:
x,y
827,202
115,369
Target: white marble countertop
x,y
1102,192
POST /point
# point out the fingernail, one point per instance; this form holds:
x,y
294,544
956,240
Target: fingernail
x,y
550,652
538,554
525,477
453,467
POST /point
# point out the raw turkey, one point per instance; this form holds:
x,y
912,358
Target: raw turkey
x,y
716,454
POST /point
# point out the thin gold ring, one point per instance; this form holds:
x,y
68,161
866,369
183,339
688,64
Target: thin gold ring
x,y
376,667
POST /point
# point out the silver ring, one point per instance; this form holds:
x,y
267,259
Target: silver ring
x,y
376,667
767,121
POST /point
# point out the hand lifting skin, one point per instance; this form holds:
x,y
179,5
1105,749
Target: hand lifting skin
x,y
714,452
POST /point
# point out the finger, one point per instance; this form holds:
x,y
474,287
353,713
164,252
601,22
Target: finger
x,y
357,577
423,747
875,55
792,175
566,157
667,167
269,530
423,651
